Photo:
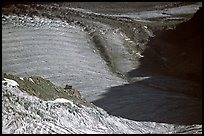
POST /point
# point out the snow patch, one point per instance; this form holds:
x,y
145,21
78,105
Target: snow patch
x,y
21,78
127,39
140,56
140,78
62,100
10,82
30,79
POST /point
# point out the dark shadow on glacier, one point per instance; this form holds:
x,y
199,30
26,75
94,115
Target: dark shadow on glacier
x,y
140,102
172,93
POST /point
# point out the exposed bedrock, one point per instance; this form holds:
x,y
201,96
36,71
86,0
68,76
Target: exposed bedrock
x,y
176,53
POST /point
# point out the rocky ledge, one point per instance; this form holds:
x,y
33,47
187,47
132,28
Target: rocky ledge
x,y
45,90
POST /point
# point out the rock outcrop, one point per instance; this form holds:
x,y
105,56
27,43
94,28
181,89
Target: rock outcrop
x,y
177,52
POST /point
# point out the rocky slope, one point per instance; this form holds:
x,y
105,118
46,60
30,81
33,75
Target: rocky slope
x,y
108,57
25,113
178,53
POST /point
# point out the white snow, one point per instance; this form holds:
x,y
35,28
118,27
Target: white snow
x,y
127,39
140,56
30,79
143,15
145,27
10,82
62,100
140,78
21,78
63,119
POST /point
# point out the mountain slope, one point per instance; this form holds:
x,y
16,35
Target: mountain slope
x,y
27,114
